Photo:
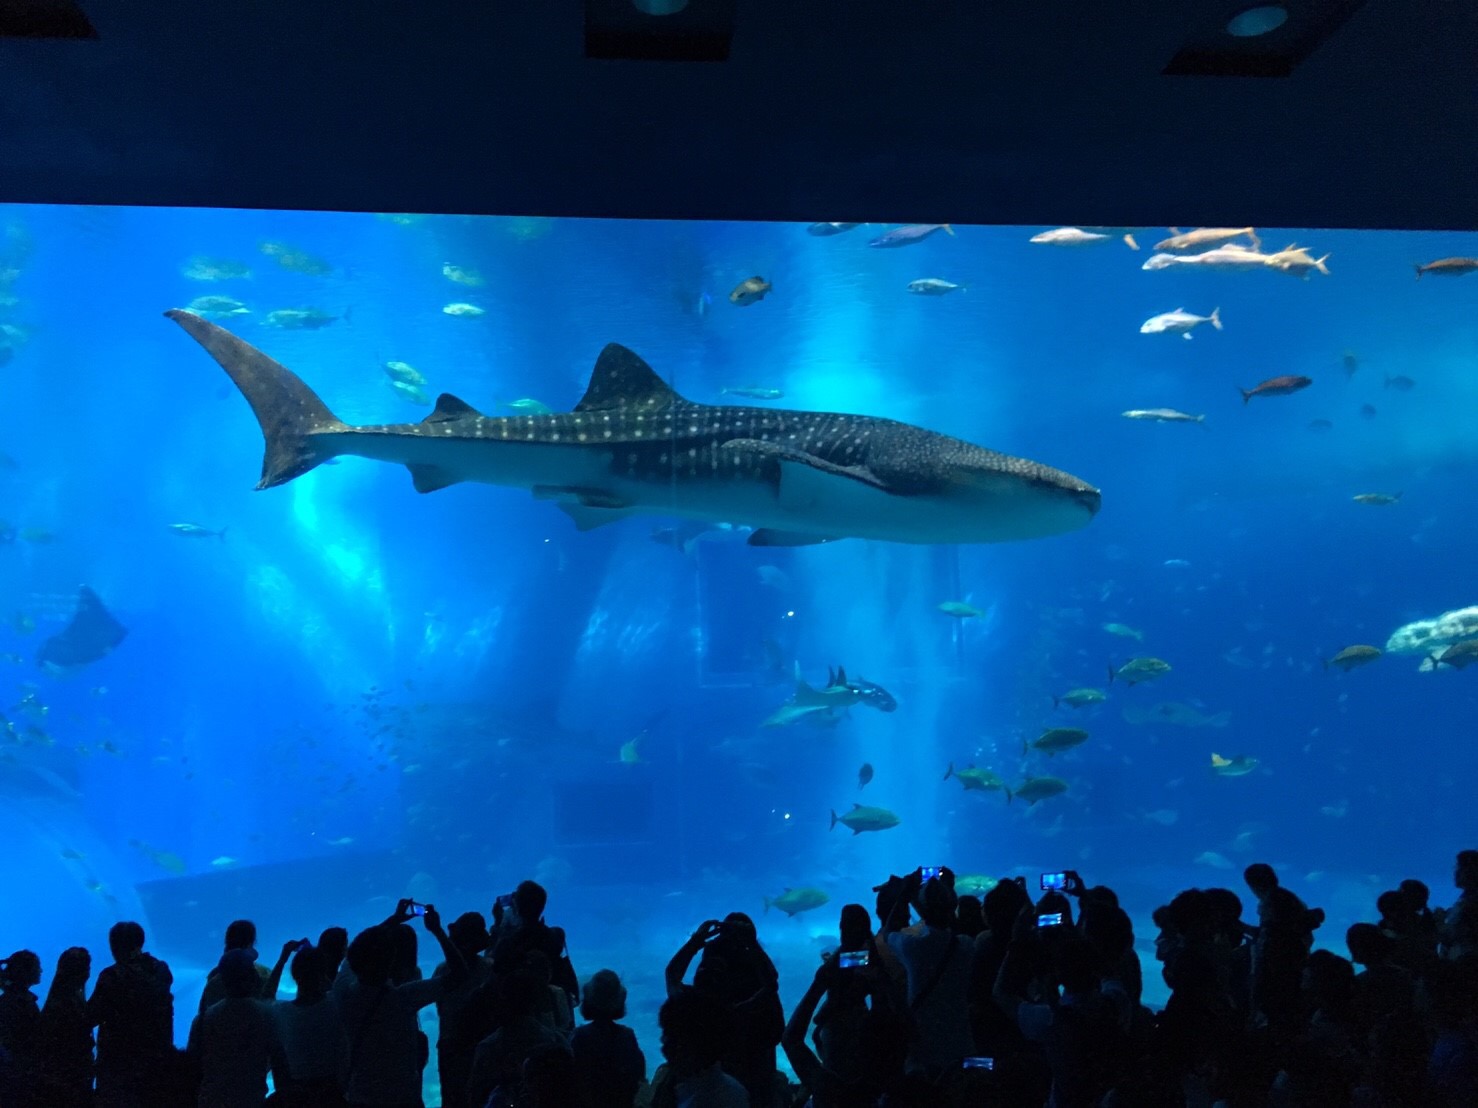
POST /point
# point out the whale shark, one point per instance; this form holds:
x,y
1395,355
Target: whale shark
x,y
634,446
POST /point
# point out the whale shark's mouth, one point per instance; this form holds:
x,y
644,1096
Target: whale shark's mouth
x,y
1090,499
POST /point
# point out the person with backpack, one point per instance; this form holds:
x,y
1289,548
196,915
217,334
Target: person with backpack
x,y
132,1006
1280,950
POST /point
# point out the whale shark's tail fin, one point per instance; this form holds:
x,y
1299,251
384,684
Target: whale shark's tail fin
x,y
290,413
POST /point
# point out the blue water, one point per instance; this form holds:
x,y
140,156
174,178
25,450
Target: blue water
x,y
363,692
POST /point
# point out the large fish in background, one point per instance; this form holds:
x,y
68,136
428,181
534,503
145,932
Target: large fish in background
x,y
91,635
826,707
634,446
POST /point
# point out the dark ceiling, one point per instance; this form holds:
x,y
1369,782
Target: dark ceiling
x,y
927,110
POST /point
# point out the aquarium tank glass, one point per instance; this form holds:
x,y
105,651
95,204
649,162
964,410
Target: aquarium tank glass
x,y
637,625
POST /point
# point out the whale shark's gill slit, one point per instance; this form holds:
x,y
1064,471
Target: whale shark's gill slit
x,y
288,411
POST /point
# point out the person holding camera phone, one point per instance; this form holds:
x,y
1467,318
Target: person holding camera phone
x,y
869,1064
519,928
841,1015
1076,1025
386,1048
937,964
736,972
311,1028
454,1047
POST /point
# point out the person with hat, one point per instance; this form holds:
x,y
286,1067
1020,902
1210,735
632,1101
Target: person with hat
x,y
608,1062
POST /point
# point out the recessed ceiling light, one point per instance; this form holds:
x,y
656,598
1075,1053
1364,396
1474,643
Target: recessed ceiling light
x,y
660,7
1261,20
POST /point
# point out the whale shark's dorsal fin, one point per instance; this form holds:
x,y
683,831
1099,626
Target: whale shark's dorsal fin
x,y
622,380
450,407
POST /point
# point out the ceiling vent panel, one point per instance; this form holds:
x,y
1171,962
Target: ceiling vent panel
x,y
1227,43
659,30
44,19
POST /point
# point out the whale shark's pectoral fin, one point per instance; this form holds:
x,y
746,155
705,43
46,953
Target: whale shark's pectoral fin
x,y
589,508
802,476
791,712
588,519
768,536
830,717
431,478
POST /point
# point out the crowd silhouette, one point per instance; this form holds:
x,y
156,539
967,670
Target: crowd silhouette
x,y
952,1001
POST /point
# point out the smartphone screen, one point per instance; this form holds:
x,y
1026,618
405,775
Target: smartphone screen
x,y
851,959
505,901
1049,919
1054,882
930,872
416,909
980,1063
